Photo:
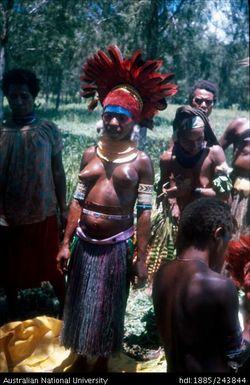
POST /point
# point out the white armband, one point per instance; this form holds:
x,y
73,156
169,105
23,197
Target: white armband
x,y
80,191
145,196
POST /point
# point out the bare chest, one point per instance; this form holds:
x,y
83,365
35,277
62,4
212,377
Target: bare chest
x,y
202,173
97,171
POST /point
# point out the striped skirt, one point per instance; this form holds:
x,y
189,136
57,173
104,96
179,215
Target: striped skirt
x,y
96,298
240,210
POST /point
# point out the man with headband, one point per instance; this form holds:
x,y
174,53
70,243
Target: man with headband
x,y
114,176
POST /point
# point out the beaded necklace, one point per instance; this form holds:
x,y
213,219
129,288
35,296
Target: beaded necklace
x,y
116,152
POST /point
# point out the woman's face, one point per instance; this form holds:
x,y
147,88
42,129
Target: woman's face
x,y
117,126
20,99
192,140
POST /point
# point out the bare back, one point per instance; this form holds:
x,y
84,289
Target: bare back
x,y
191,308
238,134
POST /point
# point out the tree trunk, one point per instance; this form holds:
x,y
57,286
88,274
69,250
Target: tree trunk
x,y
4,31
2,66
152,30
58,91
46,105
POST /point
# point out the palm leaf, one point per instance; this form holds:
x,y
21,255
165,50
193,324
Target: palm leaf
x,y
161,244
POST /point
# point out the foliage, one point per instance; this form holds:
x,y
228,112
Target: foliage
x,y
197,39
74,147
162,238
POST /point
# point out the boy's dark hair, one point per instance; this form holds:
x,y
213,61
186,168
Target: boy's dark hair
x,y
21,76
204,85
200,219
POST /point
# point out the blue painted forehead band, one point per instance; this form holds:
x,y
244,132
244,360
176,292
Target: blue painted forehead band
x,y
118,110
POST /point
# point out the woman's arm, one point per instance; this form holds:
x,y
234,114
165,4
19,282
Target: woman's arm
x,y
144,204
60,182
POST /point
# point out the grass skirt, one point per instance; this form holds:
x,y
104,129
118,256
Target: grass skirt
x,y
240,209
96,299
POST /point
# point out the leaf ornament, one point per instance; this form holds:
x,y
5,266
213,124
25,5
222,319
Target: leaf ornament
x,y
161,244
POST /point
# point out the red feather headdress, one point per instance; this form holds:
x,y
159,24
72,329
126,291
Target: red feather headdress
x,y
132,83
238,261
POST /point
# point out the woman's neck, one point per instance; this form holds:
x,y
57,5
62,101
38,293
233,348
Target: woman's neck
x,y
121,151
24,120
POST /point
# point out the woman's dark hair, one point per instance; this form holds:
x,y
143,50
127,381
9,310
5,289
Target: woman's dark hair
x,y
21,76
203,85
184,114
200,219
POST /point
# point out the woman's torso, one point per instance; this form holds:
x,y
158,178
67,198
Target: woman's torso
x,y
111,195
27,189
200,175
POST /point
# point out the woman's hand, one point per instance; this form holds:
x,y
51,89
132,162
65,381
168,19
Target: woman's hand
x,y
175,212
181,188
63,258
139,274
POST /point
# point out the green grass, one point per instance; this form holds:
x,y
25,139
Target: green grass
x,y
76,119
78,126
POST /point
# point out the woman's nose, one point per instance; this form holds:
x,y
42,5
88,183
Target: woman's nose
x,y
114,121
18,101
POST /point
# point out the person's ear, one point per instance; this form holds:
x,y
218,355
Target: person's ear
x,y
219,233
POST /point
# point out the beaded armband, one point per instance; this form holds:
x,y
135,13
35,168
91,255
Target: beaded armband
x,y
80,191
144,199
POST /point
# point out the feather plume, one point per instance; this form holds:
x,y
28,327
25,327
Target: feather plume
x,y
237,258
103,72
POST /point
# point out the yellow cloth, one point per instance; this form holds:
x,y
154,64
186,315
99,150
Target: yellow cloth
x,y
33,346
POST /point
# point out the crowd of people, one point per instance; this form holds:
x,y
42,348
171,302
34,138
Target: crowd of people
x,y
196,306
